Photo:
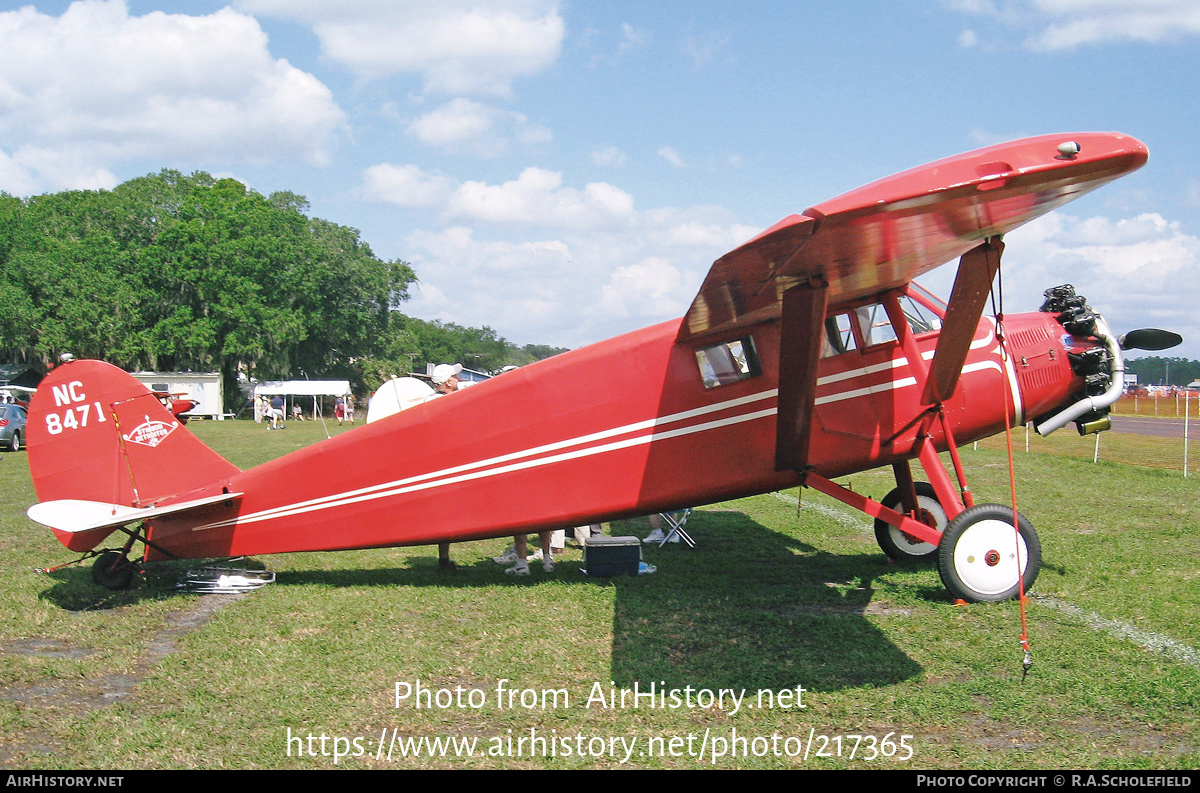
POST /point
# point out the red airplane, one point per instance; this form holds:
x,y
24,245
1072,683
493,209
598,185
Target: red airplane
x,y
177,402
808,354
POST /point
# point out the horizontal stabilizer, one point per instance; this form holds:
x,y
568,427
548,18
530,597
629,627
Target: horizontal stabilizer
x,y
74,516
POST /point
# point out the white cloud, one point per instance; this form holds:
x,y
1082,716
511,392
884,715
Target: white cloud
x,y
632,38
71,167
406,186
1145,254
706,233
649,289
458,243
1054,25
464,125
703,48
670,155
502,284
97,86
567,290
1135,271
453,123
458,47
15,178
539,260
537,197
608,157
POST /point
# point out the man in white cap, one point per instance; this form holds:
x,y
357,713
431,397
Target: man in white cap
x,y
445,378
445,381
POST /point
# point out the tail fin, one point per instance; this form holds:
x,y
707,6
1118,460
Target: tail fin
x,y
97,434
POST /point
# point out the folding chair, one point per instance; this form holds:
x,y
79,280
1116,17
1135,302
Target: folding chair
x,y
676,521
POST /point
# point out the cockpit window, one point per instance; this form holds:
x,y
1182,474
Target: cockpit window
x,y
728,362
876,327
838,337
874,324
929,297
869,325
920,318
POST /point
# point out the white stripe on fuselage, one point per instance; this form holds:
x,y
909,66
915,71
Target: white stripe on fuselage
x,y
894,363
903,382
902,361
517,461
421,481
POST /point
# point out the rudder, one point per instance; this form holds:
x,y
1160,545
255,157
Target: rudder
x,y
97,434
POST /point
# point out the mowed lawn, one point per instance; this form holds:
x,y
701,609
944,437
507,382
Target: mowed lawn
x,y
783,640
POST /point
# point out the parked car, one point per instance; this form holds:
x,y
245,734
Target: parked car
x,y
12,427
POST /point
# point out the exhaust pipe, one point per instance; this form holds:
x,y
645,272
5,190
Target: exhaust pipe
x,y
1093,403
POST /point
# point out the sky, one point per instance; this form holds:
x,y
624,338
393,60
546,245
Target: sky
x,y
566,171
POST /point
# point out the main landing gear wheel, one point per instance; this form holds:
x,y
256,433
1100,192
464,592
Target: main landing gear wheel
x,y
977,557
898,545
112,570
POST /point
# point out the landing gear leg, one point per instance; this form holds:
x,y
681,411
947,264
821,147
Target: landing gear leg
x,y
896,544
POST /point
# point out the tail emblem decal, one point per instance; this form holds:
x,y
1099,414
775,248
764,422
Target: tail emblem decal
x,y
150,433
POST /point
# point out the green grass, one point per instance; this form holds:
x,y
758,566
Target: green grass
x,y
769,599
1115,447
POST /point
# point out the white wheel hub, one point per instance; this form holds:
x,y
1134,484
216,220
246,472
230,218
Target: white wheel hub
x,y
985,556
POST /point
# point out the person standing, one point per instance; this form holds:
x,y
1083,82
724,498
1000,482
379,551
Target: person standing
x,y
445,381
521,550
277,412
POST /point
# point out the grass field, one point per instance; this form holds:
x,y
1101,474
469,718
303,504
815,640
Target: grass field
x,y
1127,448
772,599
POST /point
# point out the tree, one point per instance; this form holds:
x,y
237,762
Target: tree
x,y
1154,370
175,272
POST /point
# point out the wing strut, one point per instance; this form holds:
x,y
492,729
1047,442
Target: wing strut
x,y
800,348
976,269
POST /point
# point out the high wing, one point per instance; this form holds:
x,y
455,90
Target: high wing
x,y
890,232
882,236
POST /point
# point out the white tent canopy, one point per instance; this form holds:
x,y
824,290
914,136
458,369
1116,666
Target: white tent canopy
x,y
291,390
303,388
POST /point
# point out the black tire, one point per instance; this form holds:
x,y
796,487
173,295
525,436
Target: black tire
x,y
112,570
977,557
898,545
14,443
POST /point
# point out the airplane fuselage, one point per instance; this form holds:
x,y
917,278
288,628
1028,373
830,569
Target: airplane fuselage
x,y
633,425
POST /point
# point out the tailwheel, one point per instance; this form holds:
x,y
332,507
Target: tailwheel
x,y
978,555
112,570
898,545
